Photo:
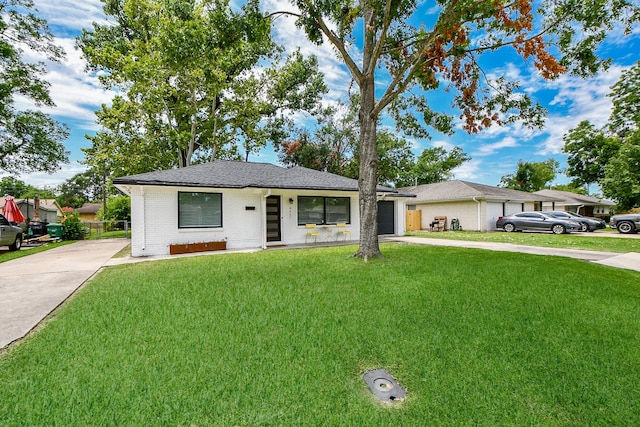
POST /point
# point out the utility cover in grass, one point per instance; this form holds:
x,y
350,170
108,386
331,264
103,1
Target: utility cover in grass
x,y
383,386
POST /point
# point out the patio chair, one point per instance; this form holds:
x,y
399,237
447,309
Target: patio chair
x,y
439,223
342,230
312,231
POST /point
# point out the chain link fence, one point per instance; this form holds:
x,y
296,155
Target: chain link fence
x,y
107,229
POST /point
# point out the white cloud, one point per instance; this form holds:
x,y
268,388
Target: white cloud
x,y
49,181
492,148
580,99
71,14
447,145
468,170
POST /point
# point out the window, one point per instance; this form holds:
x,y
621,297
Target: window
x,y
199,210
323,210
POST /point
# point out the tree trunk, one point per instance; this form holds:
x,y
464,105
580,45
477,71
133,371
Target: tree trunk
x,y
368,177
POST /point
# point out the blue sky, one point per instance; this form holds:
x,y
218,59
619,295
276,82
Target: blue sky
x,y
494,152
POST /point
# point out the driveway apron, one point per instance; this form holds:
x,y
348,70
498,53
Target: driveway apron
x,y
31,287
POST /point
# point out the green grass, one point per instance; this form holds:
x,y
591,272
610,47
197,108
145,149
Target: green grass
x,y
281,338
590,242
116,234
7,255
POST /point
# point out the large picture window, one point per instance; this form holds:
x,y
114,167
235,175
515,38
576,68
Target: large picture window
x,y
323,210
199,210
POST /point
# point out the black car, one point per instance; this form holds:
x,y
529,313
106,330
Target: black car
x,y
536,221
587,223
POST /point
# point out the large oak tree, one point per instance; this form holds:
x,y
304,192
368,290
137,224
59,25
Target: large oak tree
x,y
423,52
30,140
193,81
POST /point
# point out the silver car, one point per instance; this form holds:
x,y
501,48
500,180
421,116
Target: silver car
x,y
10,235
536,221
586,222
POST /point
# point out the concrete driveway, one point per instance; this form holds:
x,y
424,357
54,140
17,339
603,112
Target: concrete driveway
x,y
31,287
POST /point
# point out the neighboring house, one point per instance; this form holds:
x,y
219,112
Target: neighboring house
x,y
49,209
578,203
89,212
248,205
476,206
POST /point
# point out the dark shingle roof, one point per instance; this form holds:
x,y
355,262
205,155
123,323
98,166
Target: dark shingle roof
x,y
234,174
463,190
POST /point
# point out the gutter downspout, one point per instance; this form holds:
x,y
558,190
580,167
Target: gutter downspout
x,y
479,213
144,220
578,210
264,219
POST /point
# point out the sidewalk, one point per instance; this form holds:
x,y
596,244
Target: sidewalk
x,y
629,261
35,285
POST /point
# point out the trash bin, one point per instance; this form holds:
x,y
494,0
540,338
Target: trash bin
x,y
54,230
37,229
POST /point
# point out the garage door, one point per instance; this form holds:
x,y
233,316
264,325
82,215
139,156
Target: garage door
x,y
386,217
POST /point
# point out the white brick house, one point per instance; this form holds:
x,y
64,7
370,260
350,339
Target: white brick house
x,y
248,205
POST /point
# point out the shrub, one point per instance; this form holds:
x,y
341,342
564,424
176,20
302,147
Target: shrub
x,y
72,227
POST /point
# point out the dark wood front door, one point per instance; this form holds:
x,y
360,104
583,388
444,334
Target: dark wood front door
x,y
273,219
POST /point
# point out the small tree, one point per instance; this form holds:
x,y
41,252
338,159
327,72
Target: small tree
x,y
434,165
531,176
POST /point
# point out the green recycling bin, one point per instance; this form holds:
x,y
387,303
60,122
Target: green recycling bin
x,y
55,230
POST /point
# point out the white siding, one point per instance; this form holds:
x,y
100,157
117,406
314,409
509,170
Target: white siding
x,y
154,218
494,211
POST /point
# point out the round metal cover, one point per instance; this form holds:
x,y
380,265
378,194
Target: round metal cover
x,y
383,386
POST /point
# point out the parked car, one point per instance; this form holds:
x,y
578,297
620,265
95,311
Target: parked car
x,y
536,221
586,222
10,235
626,223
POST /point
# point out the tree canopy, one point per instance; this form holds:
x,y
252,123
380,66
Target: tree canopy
x,y
531,176
588,152
334,147
421,53
610,155
434,165
192,85
30,140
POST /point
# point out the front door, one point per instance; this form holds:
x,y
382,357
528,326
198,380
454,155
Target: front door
x,y
273,219
386,217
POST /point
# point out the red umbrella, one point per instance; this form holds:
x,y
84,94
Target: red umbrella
x,y
11,210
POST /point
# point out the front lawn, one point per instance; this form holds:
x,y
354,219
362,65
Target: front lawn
x,y
282,338
591,241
